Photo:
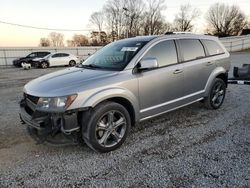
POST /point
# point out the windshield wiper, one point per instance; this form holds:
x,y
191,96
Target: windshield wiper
x,y
91,66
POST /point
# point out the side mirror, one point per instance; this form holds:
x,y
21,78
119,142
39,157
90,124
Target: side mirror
x,y
148,63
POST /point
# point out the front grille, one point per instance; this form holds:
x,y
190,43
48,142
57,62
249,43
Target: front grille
x,y
29,110
33,99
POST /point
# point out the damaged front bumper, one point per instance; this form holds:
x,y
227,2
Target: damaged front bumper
x,y
56,128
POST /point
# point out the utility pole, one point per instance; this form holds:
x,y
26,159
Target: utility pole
x,y
126,13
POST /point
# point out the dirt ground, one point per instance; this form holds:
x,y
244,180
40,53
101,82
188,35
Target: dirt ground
x,y
189,147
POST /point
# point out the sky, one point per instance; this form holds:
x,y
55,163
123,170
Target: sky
x,y
74,15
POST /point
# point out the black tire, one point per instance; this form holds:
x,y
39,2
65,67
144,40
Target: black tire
x,y
108,136
72,63
216,94
44,65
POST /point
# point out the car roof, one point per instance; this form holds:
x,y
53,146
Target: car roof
x,y
60,53
41,52
172,36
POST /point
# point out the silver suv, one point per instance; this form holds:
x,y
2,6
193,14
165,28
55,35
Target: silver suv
x,y
125,82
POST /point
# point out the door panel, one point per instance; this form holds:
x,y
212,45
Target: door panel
x,y
196,76
159,89
54,59
196,67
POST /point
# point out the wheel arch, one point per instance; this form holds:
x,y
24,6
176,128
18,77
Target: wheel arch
x,y
219,72
118,95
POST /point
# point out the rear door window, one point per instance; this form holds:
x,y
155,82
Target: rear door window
x,y
191,49
212,47
56,55
64,55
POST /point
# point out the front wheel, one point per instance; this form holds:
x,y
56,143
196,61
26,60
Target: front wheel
x,y
72,63
44,65
107,127
216,95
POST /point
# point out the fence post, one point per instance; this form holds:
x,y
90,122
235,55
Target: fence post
x,y
5,57
77,53
231,46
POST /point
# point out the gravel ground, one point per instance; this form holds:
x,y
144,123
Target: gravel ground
x,y
189,147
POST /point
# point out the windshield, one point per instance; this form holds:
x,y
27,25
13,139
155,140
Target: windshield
x,y
115,56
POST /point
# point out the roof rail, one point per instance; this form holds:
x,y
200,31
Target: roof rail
x,y
179,32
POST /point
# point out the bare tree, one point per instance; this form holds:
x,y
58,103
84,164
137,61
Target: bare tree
x,y
153,18
56,39
133,11
78,40
184,18
97,18
114,13
98,38
225,20
44,42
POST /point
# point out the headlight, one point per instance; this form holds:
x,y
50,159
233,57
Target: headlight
x,y
55,103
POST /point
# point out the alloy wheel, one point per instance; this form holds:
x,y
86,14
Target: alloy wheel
x,y
111,128
218,94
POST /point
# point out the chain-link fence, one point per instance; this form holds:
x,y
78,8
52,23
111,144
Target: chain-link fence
x,y
7,55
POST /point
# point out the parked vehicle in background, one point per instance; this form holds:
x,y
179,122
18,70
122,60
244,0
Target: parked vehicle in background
x,y
28,59
125,82
56,59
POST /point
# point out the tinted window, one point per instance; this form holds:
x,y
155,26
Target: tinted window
x,y
41,54
164,52
64,55
191,49
32,55
213,47
45,53
56,55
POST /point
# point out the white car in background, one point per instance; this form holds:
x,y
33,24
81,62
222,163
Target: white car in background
x,y
56,59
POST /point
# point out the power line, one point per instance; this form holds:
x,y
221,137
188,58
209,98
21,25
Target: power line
x,y
43,28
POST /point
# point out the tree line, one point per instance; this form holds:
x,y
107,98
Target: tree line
x,y
120,19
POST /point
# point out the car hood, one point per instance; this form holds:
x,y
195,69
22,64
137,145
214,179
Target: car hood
x,y
65,82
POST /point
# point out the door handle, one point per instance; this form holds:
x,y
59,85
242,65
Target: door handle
x,y
209,63
178,71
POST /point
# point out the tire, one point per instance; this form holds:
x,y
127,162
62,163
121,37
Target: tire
x,y
44,65
216,94
106,127
72,63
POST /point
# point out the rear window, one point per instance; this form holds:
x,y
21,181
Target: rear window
x,y
191,49
212,47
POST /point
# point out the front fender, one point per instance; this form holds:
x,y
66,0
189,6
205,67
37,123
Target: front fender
x,y
108,93
213,75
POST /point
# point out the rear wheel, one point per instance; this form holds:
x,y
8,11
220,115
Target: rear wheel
x,y
216,95
107,127
72,63
44,65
